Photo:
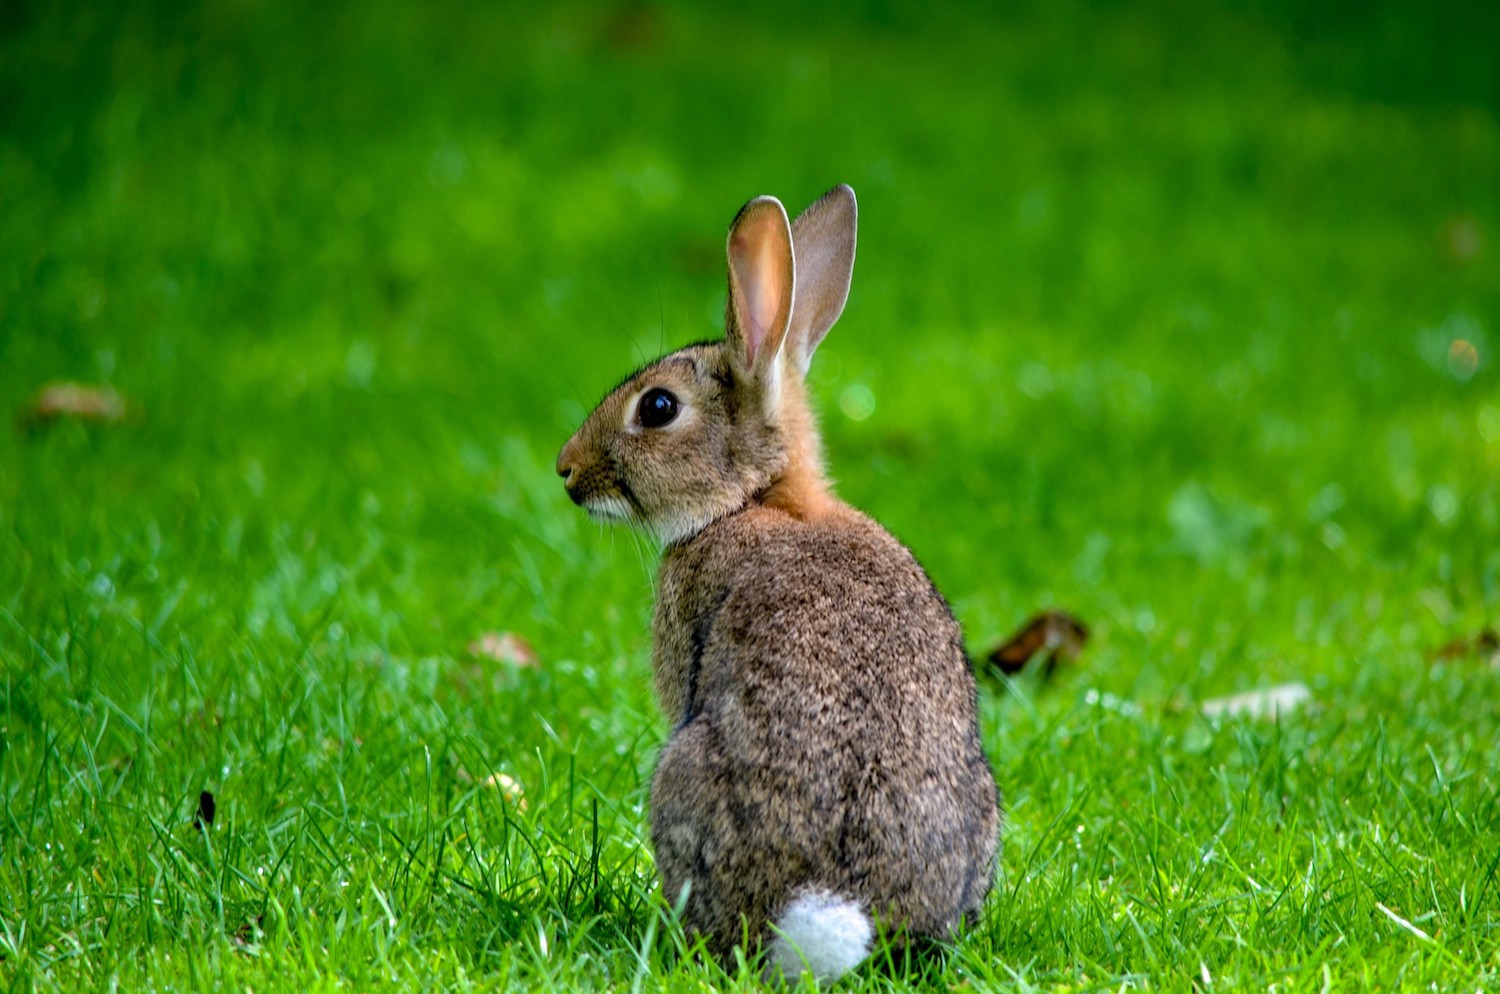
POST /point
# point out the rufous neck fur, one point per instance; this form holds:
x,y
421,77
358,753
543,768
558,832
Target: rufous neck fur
x,y
801,490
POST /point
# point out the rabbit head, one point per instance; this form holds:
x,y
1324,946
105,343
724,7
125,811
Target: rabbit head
x,y
710,428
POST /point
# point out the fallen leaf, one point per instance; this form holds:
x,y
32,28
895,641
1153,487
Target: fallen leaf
x,y
504,647
507,785
1265,703
65,399
1485,644
1057,633
205,816
247,933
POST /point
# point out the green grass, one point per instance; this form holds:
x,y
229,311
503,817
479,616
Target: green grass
x,y
1152,319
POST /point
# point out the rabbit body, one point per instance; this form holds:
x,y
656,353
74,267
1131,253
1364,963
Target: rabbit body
x,y
826,772
827,736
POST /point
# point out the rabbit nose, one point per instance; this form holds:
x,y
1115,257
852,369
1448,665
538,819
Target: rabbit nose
x,y
567,465
567,470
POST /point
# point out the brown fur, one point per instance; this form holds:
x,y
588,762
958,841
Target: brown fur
x,y
826,728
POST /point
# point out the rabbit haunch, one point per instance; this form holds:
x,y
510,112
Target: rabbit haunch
x,y
825,771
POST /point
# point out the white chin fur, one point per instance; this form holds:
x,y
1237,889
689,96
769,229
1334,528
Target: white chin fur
x,y
610,509
676,527
667,528
822,934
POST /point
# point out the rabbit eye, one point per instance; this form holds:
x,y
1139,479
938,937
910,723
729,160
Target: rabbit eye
x,y
658,407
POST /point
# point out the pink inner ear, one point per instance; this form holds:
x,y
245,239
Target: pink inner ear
x,y
760,311
761,280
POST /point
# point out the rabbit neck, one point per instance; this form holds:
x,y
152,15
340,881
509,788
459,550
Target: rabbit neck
x,y
801,493
801,490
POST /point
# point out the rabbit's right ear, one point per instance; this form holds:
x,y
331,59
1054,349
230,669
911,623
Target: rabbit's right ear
x,y
823,236
762,280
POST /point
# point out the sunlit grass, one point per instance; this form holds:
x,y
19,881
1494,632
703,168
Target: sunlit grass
x,y
1183,319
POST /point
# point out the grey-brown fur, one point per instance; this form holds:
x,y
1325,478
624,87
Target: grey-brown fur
x,y
826,734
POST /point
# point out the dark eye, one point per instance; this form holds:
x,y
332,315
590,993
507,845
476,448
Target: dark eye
x,y
657,408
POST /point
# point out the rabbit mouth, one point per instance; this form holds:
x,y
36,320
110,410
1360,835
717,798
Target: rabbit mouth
x,y
611,509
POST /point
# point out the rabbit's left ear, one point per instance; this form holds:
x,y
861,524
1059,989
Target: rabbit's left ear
x,y
823,238
762,275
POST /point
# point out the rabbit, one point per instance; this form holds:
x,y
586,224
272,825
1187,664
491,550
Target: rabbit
x,y
824,781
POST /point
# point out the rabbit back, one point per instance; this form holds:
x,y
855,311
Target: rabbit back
x,y
827,734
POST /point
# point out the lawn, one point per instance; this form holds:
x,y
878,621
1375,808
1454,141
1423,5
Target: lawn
x,y
1181,316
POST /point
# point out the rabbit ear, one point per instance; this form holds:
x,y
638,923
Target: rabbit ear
x,y
762,277
824,236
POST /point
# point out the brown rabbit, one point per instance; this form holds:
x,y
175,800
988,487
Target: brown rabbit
x,y
825,772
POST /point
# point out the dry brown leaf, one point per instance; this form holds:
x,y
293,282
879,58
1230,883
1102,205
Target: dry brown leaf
x,y
1057,633
204,818
66,399
247,933
1485,644
504,647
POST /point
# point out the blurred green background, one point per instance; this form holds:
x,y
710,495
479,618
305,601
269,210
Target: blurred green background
x,y
1181,315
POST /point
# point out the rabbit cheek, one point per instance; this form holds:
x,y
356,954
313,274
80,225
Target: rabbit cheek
x,y
675,478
